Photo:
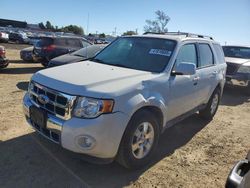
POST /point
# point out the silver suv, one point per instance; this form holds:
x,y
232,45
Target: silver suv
x,y
116,105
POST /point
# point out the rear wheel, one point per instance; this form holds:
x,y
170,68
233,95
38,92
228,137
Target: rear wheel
x,y
212,105
139,140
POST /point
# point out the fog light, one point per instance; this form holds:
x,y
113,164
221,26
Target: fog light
x,y
86,142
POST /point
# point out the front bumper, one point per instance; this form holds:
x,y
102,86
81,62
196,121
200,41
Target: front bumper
x,y
107,131
238,79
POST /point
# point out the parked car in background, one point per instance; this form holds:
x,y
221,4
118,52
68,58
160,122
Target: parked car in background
x,y
239,177
4,37
26,54
238,66
79,55
33,40
3,60
19,38
50,47
117,104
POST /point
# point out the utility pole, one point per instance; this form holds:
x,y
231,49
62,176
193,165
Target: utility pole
x,y
115,31
88,25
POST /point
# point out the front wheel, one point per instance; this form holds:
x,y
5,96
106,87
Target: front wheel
x,y
212,106
139,140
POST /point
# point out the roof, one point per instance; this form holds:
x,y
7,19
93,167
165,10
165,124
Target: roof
x,y
178,36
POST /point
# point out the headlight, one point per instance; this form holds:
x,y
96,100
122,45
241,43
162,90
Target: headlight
x,y
91,108
244,69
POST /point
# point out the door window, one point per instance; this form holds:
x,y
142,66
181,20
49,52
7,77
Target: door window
x,y
187,54
206,55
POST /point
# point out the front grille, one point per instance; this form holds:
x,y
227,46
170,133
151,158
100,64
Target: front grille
x,y
232,68
58,104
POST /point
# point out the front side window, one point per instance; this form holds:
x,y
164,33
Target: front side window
x,y
187,54
206,55
146,54
237,52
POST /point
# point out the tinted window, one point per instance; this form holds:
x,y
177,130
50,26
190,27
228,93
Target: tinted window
x,y
188,54
219,53
73,43
238,52
44,42
147,54
206,55
61,42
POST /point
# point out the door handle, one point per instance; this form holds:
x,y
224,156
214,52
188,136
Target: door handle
x,y
196,79
215,72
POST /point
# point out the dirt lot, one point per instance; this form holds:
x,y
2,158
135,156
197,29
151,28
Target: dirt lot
x,y
194,153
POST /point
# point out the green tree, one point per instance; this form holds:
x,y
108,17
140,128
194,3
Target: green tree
x,y
73,29
49,25
159,25
41,25
102,35
129,33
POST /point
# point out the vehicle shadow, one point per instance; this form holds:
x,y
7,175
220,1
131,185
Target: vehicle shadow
x,y
38,162
23,85
21,70
22,62
234,96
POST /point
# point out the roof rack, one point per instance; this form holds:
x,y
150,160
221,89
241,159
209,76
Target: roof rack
x,y
181,33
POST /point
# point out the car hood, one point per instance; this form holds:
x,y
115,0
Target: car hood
x,y
65,59
239,61
92,79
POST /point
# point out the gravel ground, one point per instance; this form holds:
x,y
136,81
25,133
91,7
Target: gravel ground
x,y
193,153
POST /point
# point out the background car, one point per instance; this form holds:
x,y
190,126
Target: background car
x,y
238,66
239,176
50,47
3,60
4,37
79,55
26,54
20,38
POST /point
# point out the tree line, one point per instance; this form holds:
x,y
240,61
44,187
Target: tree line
x,y
78,30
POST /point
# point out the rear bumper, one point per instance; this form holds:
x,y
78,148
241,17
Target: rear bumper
x,y
106,130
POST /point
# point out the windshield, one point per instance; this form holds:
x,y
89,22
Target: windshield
x,y
89,51
146,54
238,52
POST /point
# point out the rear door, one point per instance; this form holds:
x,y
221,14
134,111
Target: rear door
x,y
74,44
207,72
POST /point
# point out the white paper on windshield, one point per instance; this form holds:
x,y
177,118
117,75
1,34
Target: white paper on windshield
x,y
160,52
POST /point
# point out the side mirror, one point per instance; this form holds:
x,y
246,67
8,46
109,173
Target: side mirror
x,y
184,68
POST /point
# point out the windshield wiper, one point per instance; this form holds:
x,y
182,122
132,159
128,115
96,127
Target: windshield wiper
x,y
119,65
98,61
79,55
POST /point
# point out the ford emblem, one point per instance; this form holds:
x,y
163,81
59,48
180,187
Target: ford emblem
x,y
43,99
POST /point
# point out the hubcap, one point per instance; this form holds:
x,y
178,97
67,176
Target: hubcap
x,y
214,103
142,140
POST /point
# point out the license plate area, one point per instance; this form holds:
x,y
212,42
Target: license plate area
x,y
38,116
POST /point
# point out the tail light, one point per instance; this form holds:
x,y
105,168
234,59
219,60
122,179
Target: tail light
x,y
49,48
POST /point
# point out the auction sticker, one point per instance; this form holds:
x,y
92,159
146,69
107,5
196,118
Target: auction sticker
x,y
160,52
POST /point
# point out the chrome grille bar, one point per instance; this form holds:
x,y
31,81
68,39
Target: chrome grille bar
x,y
60,108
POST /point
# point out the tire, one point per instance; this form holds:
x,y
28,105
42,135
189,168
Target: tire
x,y
45,64
212,106
133,159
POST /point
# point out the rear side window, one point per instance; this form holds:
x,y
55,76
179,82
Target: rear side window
x,y
44,42
85,44
219,53
74,43
187,54
61,42
206,55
